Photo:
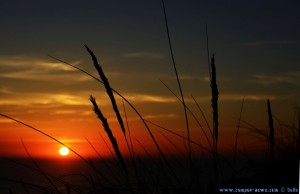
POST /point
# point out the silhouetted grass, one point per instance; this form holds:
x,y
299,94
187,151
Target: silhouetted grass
x,y
109,133
147,181
271,132
179,85
39,168
107,87
238,129
214,100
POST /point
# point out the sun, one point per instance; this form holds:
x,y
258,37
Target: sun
x,y
64,151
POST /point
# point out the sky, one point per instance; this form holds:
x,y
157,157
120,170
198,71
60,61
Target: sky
x,y
256,46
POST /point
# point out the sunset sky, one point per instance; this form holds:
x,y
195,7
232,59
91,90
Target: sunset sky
x,y
256,45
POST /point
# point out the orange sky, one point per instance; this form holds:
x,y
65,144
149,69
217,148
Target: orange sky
x,y
73,124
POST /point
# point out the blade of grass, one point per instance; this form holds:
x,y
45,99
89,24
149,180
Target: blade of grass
x,y
193,115
199,145
238,129
179,85
130,148
42,189
202,113
75,188
271,132
49,136
101,158
110,151
178,135
39,169
39,131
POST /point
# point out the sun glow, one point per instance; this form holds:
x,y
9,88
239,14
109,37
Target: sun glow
x,y
63,151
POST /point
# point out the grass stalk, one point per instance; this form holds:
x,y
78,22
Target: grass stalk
x,y
74,188
107,87
102,159
298,136
214,100
238,129
211,152
271,132
206,121
42,189
207,50
49,136
130,148
193,115
214,104
39,169
109,133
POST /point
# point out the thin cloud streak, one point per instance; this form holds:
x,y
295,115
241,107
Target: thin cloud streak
x,y
5,90
148,116
143,98
34,62
45,99
45,75
34,68
288,78
148,55
268,43
35,140
181,77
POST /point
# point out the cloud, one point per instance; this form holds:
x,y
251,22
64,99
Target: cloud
x,y
205,78
143,98
69,140
34,62
45,99
267,43
288,78
72,112
148,116
159,116
6,121
36,74
148,55
64,140
184,77
253,97
34,68
5,90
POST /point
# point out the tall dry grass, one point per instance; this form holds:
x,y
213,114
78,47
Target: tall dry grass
x,y
142,184
109,133
179,86
214,100
107,87
271,132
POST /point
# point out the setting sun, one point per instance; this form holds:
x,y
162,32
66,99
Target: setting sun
x,y
64,151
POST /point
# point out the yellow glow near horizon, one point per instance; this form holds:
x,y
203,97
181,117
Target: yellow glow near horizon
x,y
64,151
